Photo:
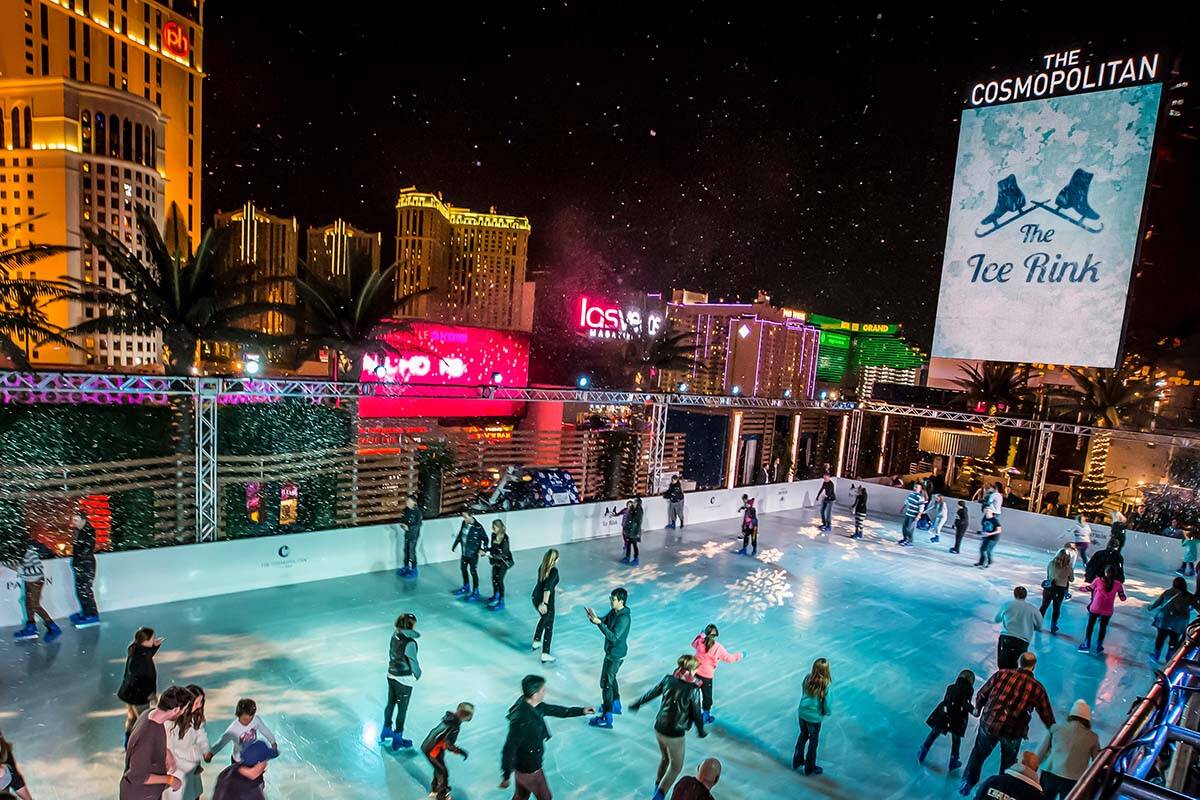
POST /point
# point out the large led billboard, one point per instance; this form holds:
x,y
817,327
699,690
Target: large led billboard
x,y
1044,222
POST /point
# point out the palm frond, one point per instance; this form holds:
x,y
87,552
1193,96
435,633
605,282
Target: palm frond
x,y
28,255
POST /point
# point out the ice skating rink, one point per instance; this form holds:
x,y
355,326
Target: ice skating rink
x,y
896,625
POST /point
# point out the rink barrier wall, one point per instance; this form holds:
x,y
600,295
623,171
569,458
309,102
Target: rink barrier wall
x,y
1142,550
134,578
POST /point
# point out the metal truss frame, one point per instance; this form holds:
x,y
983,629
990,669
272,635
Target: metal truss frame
x,y
658,445
1041,468
207,399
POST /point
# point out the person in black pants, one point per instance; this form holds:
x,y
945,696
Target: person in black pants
x,y
473,539
960,526
501,558
404,670
410,521
442,739
543,602
83,566
615,628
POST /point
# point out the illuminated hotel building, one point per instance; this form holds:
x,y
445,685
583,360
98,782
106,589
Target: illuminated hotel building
x,y
335,249
100,103
473,263
760,350
265,246
857,355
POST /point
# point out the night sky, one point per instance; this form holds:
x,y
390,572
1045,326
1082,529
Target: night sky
x,y
724,148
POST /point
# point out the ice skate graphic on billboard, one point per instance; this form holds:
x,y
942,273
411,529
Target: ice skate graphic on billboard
x,y
1043,229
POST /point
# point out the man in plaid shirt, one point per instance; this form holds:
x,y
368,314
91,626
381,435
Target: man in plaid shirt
x,y
1005,705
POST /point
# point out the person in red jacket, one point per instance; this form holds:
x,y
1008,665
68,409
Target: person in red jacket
x,y
441,740
710,653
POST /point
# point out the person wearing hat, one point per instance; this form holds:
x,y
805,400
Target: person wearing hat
x,y
244,781
1066,750
1018,782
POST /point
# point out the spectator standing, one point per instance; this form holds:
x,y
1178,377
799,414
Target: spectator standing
x,y
83,568
674,495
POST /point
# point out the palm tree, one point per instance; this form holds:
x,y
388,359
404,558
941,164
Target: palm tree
x,y
22,304
184,297
1104,398
645,355
350,318
994,387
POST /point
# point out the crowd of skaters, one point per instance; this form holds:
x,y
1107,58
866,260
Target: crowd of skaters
x,y
166,744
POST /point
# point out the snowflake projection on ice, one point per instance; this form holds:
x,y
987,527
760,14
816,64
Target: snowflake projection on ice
x,y
670,591
771,555
629,578
750,597
710,549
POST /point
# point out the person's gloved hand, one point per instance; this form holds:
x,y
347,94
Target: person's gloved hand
x,y
463,753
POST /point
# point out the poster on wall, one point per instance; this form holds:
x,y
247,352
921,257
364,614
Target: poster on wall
x,y
1044,222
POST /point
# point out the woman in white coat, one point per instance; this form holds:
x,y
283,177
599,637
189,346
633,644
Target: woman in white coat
x,y
187,741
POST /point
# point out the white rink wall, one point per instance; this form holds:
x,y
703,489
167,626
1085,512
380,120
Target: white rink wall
x,y
167,574
1142,550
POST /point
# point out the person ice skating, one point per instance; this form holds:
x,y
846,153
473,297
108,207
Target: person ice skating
x,y
1018,620
1098,564
404,670
1104,591
674,495
814,707
1174,608
147,761
1117,529
246,728
1187,569
187,741
83,569
410,522
1018,782
243,780
442,739
700,786
995,499
1066,751
989,537
33,581
501,558
709,654
749,525
11,779
961,520
525,744
914,504
1059,573
1005,704
939,513
680,710
543,602
826,495
1081,534
615,629
473,540
139,685
860,510
631,530
950,717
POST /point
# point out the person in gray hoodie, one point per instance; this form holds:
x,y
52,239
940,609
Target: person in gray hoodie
x,y
1066,750
403,673
1018,620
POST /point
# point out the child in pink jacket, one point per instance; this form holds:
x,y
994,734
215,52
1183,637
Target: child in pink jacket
x,y
1105,592
709,653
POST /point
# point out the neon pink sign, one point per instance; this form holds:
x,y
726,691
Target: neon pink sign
x,y
602,319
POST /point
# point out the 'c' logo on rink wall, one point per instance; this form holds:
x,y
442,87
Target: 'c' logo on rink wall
x,y
283,551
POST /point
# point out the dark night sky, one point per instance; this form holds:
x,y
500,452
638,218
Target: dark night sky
x,y
723,147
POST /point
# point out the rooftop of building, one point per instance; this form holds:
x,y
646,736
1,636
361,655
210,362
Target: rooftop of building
x,y
411,197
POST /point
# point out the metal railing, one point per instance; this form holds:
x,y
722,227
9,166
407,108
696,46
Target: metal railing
x,y
1150,756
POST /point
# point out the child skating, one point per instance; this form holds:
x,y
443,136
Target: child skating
x,y
709,655
33,581
1105,592
442,739
247,728
814,707
950,717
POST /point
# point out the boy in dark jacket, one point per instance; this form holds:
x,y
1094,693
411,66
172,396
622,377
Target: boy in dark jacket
x,y
749,525
615,627
950,717
441,740
960,526
527,736
473,539
410,521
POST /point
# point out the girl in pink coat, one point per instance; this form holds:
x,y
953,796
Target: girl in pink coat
x,y
709,653
1105,592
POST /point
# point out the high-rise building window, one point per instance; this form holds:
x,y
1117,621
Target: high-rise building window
x,y
114,136
87,42
137,143
101,141
71,43
27,137
45,58
146,69
86,130
71,67
44,19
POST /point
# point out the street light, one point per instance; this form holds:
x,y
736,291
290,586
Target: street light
x,y
497,378
583,381
736,390
252,365
682,388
